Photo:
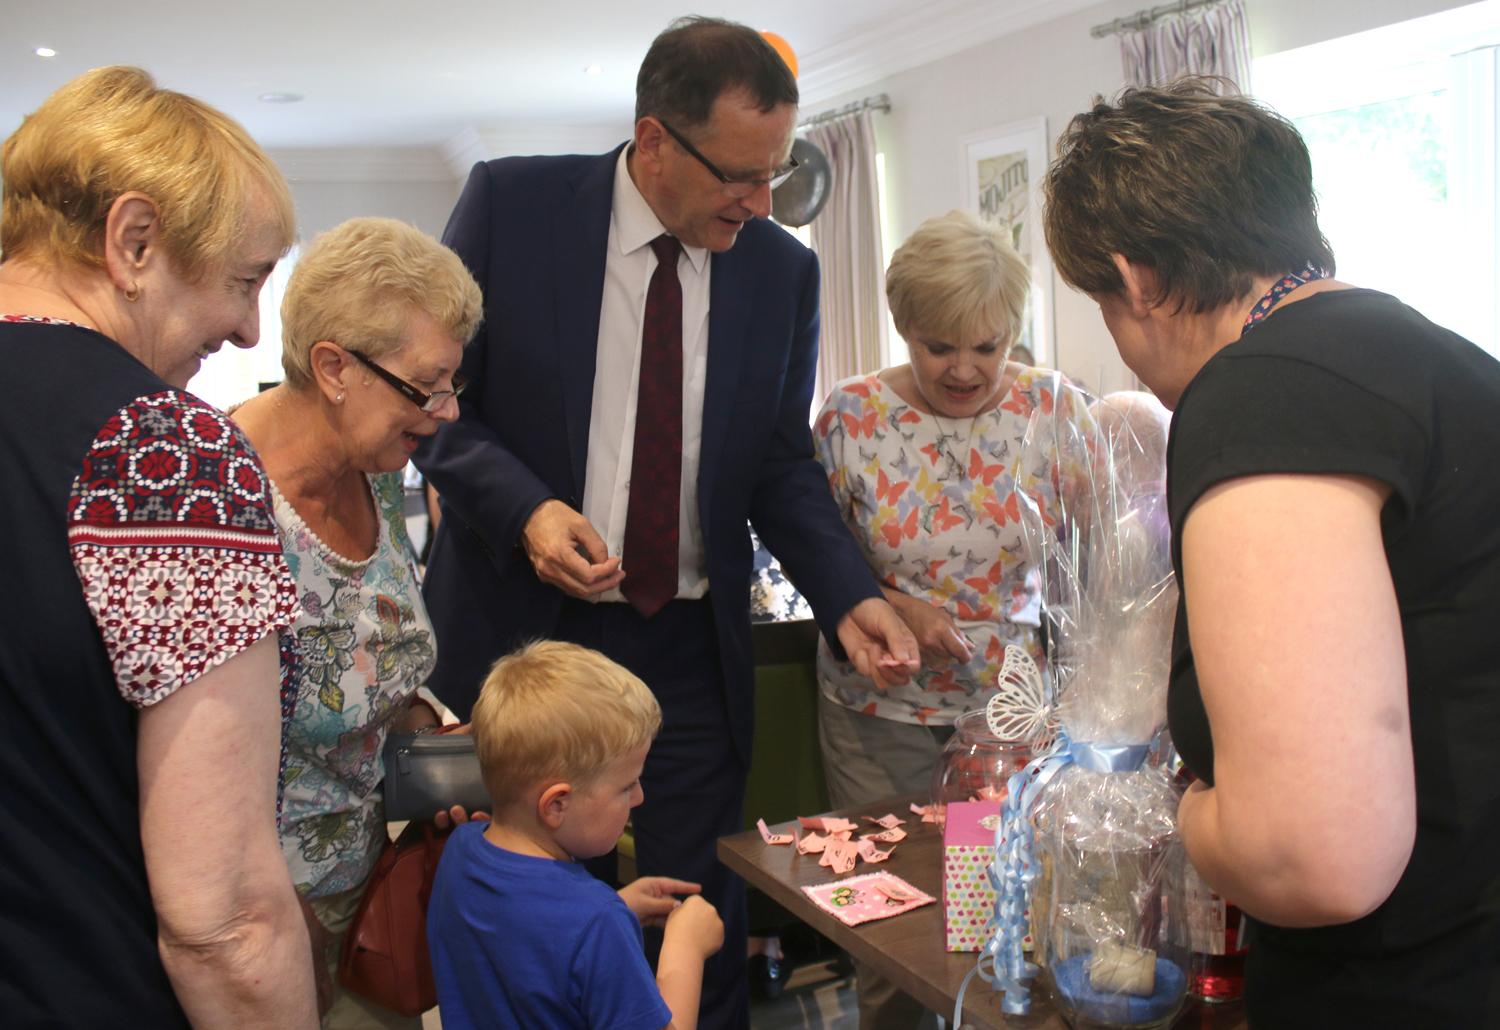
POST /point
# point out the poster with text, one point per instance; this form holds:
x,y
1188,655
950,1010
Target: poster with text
x,y
1002,170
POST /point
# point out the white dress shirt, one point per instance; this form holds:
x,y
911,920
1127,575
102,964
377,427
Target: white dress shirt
x,y
628,266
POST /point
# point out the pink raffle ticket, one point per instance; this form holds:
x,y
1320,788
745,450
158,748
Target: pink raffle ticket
x,y
860,899
838,849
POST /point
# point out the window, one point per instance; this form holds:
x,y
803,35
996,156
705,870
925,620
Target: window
x,y
1401,125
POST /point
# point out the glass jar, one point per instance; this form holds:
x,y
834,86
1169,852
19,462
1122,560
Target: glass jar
x,y
975,766
1108,945
1215,930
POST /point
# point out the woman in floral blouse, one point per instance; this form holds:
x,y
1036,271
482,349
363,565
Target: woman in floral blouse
x,y
922,459
375,318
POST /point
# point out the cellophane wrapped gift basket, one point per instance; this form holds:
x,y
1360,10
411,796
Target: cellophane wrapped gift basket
x,y
1089,836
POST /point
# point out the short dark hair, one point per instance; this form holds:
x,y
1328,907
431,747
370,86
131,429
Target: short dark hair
x,y
696,60
1209,191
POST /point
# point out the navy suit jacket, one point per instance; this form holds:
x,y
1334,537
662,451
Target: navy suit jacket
x,y
534,232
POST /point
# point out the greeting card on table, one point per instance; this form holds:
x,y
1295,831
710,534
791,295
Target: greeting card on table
x,y
860,899
968,897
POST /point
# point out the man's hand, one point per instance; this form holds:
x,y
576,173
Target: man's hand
x,y
878,643
650,898
937,636
553,537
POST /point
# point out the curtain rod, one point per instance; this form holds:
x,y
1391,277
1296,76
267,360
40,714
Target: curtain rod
x,y
1145,18
876,103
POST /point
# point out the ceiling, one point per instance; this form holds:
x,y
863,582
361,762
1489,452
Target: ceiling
x,y
382,73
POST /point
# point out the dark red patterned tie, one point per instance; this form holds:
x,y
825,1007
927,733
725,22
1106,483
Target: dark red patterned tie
x,y
656,465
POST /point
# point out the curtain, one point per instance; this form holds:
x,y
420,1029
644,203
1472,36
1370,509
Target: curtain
x,y
846,237
1216,43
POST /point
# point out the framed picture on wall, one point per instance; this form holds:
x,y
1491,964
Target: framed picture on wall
x,y
1002,170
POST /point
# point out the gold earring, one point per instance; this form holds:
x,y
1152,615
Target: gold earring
x,y
134,293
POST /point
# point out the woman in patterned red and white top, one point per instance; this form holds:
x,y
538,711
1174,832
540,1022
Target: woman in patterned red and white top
x,y
141,693
923,461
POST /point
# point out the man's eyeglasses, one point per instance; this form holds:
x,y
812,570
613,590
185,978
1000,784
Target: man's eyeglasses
x,y
428,402
737,188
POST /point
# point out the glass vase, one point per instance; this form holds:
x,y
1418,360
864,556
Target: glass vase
x,y
976,765
1108,850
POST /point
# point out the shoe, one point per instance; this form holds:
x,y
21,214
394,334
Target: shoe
x,y
768,976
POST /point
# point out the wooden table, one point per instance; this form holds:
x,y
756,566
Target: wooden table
x,y
908,949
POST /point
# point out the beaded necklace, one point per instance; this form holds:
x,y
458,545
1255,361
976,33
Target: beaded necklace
x,y
1274,295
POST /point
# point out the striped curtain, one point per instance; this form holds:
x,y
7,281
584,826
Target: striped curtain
x,y
1214,43
846,237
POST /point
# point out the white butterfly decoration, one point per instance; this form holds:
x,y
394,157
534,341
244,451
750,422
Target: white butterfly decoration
x,y
1021,711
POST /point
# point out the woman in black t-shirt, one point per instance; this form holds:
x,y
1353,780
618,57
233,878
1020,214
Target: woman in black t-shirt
x,y
144,588
1334,497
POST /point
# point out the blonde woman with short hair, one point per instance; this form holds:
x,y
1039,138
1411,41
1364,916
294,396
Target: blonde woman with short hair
x,y
374,323
922,460
145,589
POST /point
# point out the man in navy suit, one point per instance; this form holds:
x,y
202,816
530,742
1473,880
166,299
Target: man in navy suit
x,y
639,391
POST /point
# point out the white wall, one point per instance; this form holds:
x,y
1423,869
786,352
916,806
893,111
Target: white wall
x,y
323,205
330,186
1054,69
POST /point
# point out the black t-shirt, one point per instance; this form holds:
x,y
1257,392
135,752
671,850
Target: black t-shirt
x,y
1353,382
138,549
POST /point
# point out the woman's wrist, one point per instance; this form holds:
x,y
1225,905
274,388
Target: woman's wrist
x,y
420,718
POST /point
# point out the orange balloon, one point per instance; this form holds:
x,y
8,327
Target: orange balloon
x,y
783,48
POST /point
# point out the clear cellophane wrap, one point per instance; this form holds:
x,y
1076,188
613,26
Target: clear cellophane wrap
x,y
1106,838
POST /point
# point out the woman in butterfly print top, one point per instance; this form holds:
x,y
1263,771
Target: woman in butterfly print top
x,y
922,459
334,438
923,462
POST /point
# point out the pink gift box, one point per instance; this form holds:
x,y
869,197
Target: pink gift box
x,y
968,849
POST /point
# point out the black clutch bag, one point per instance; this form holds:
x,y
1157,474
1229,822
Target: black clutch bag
x,y
427,773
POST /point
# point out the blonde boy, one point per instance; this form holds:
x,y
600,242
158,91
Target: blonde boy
x,y
522,937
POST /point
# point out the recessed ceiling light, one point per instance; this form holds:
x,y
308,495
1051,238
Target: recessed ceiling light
x,y
593,69
45,51
281,98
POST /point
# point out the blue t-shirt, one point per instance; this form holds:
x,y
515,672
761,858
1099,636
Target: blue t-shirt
x,y
524,943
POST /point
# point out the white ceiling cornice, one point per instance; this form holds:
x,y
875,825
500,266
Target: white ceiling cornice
x,y
929,33
470,145
362,164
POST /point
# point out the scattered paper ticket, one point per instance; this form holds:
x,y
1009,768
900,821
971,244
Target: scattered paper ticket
x,y
890,822
811,844
827,824
870,853
839,855
769,837
897,889
890,836
925,811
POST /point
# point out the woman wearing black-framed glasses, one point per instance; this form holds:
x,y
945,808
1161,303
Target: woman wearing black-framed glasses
x,y
375,321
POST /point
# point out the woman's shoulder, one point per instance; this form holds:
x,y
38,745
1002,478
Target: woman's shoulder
x,y
855,400
171,457
860,387
1047,390
389,491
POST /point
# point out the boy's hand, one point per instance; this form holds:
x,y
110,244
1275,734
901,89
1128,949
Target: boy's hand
x,y
696,923
650,898
456,816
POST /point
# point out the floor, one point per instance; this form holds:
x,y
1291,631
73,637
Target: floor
x,y
816,999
